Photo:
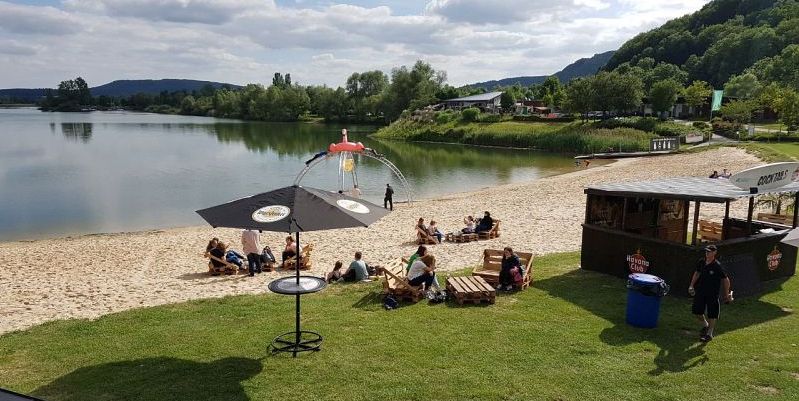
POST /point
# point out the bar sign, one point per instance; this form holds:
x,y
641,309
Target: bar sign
x,y
664,144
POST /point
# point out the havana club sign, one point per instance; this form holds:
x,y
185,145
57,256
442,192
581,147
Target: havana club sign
x,y
637,263
773,259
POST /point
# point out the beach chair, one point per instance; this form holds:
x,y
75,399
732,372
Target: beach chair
x,y
492,233
305,261
710,231
492,264
227,268
396,283
424,238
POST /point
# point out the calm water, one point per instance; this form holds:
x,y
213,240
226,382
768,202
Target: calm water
x,y
75,173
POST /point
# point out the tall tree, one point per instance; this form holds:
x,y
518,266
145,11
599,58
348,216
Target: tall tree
x,y
697,93
663,95
578,96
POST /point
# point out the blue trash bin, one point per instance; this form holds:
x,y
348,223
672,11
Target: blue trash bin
x,y
643,299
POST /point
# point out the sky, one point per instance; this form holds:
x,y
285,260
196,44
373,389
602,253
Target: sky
x,y
43,42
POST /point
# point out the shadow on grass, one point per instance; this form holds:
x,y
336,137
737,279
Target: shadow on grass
x,y
677,333
155,379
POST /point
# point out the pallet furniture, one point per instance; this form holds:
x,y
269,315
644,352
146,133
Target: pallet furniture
x,y
396,283
227,268
305,261
710,230
424,238
461,237
492,264
783,219
492,233
473,289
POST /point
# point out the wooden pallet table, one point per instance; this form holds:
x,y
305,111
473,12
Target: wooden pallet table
x,y
471,289
461,237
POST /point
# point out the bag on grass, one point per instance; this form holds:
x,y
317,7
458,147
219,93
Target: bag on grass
x,y
516,273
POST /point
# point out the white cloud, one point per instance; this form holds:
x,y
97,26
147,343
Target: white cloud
x,y
247,41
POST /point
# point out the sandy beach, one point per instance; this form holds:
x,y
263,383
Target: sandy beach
x,y
93,275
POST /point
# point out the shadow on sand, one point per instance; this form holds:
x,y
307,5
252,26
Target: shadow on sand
x,y
677,333
155,379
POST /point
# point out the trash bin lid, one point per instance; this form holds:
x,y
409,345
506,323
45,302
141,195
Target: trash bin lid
x,y
644,279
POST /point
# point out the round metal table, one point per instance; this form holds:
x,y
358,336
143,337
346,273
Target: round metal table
x,y
298,340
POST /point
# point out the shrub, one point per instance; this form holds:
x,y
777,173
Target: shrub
x,y
564,119
700,125
490,118
443,117
470,114
724,128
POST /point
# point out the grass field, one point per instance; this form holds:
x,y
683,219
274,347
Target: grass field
x,y
775,152
563,339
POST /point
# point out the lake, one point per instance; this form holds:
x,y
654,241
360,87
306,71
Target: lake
x,y
78,173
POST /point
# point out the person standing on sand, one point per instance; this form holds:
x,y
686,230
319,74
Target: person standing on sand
x,y
388,200
706,281
251,248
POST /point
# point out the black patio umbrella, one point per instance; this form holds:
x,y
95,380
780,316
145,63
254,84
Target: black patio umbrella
x,y
294,209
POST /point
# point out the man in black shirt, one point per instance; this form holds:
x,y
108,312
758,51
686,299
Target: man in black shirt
x,y
388,199
706,282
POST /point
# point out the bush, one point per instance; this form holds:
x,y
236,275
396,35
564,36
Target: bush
x,y
724,128
443,117
700,125
490,118
564,119
470,114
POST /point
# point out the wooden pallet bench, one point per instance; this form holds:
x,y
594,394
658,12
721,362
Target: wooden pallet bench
x,y
470,289
461,237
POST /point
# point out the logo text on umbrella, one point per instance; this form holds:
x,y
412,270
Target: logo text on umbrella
x,y
352,206
271,214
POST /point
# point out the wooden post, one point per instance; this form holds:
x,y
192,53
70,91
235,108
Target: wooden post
x,y
588,207
749,215
624,214
696,222
795,208
686,206
724,226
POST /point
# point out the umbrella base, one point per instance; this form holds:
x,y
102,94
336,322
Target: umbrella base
x,y
288,342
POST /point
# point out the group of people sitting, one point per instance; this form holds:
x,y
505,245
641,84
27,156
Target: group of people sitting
x,y
724,174
258,259
471,224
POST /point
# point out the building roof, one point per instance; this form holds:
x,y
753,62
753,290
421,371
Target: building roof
x,y
483,97
716,190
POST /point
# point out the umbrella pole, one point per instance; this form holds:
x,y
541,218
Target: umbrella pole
x,y
297,296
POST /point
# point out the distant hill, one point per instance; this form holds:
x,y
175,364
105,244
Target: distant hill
x,y
580,68
722,39
124,88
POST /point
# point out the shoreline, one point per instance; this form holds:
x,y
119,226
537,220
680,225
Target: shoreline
x,y
91,275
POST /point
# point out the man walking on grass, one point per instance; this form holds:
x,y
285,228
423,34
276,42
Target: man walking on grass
x,y
706,282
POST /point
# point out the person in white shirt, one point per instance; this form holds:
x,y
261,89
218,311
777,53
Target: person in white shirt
x,y
252,248
423,272
356,192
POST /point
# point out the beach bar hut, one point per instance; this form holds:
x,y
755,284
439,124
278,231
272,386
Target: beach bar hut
x,y
654,227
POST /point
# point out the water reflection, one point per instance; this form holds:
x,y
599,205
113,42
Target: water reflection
x,y
77,131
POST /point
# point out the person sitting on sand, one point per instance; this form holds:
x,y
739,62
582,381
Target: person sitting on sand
x,y
434,231
470,225
236,258
507,275
211,245
289,251
420,224
423,272
357,270
268,258
218,252
335,275
486,223
421,251
725,174
714,174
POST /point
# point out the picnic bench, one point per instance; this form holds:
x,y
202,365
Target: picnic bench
x,y
461,237
492,233
710,230
472,289
492,264
305,259
396,283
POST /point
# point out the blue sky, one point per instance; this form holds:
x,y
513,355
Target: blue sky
x,y
318,41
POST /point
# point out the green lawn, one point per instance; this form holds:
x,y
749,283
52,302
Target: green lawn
x,y
563,339
775,152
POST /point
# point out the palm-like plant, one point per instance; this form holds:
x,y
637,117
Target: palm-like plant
x,y
776,201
